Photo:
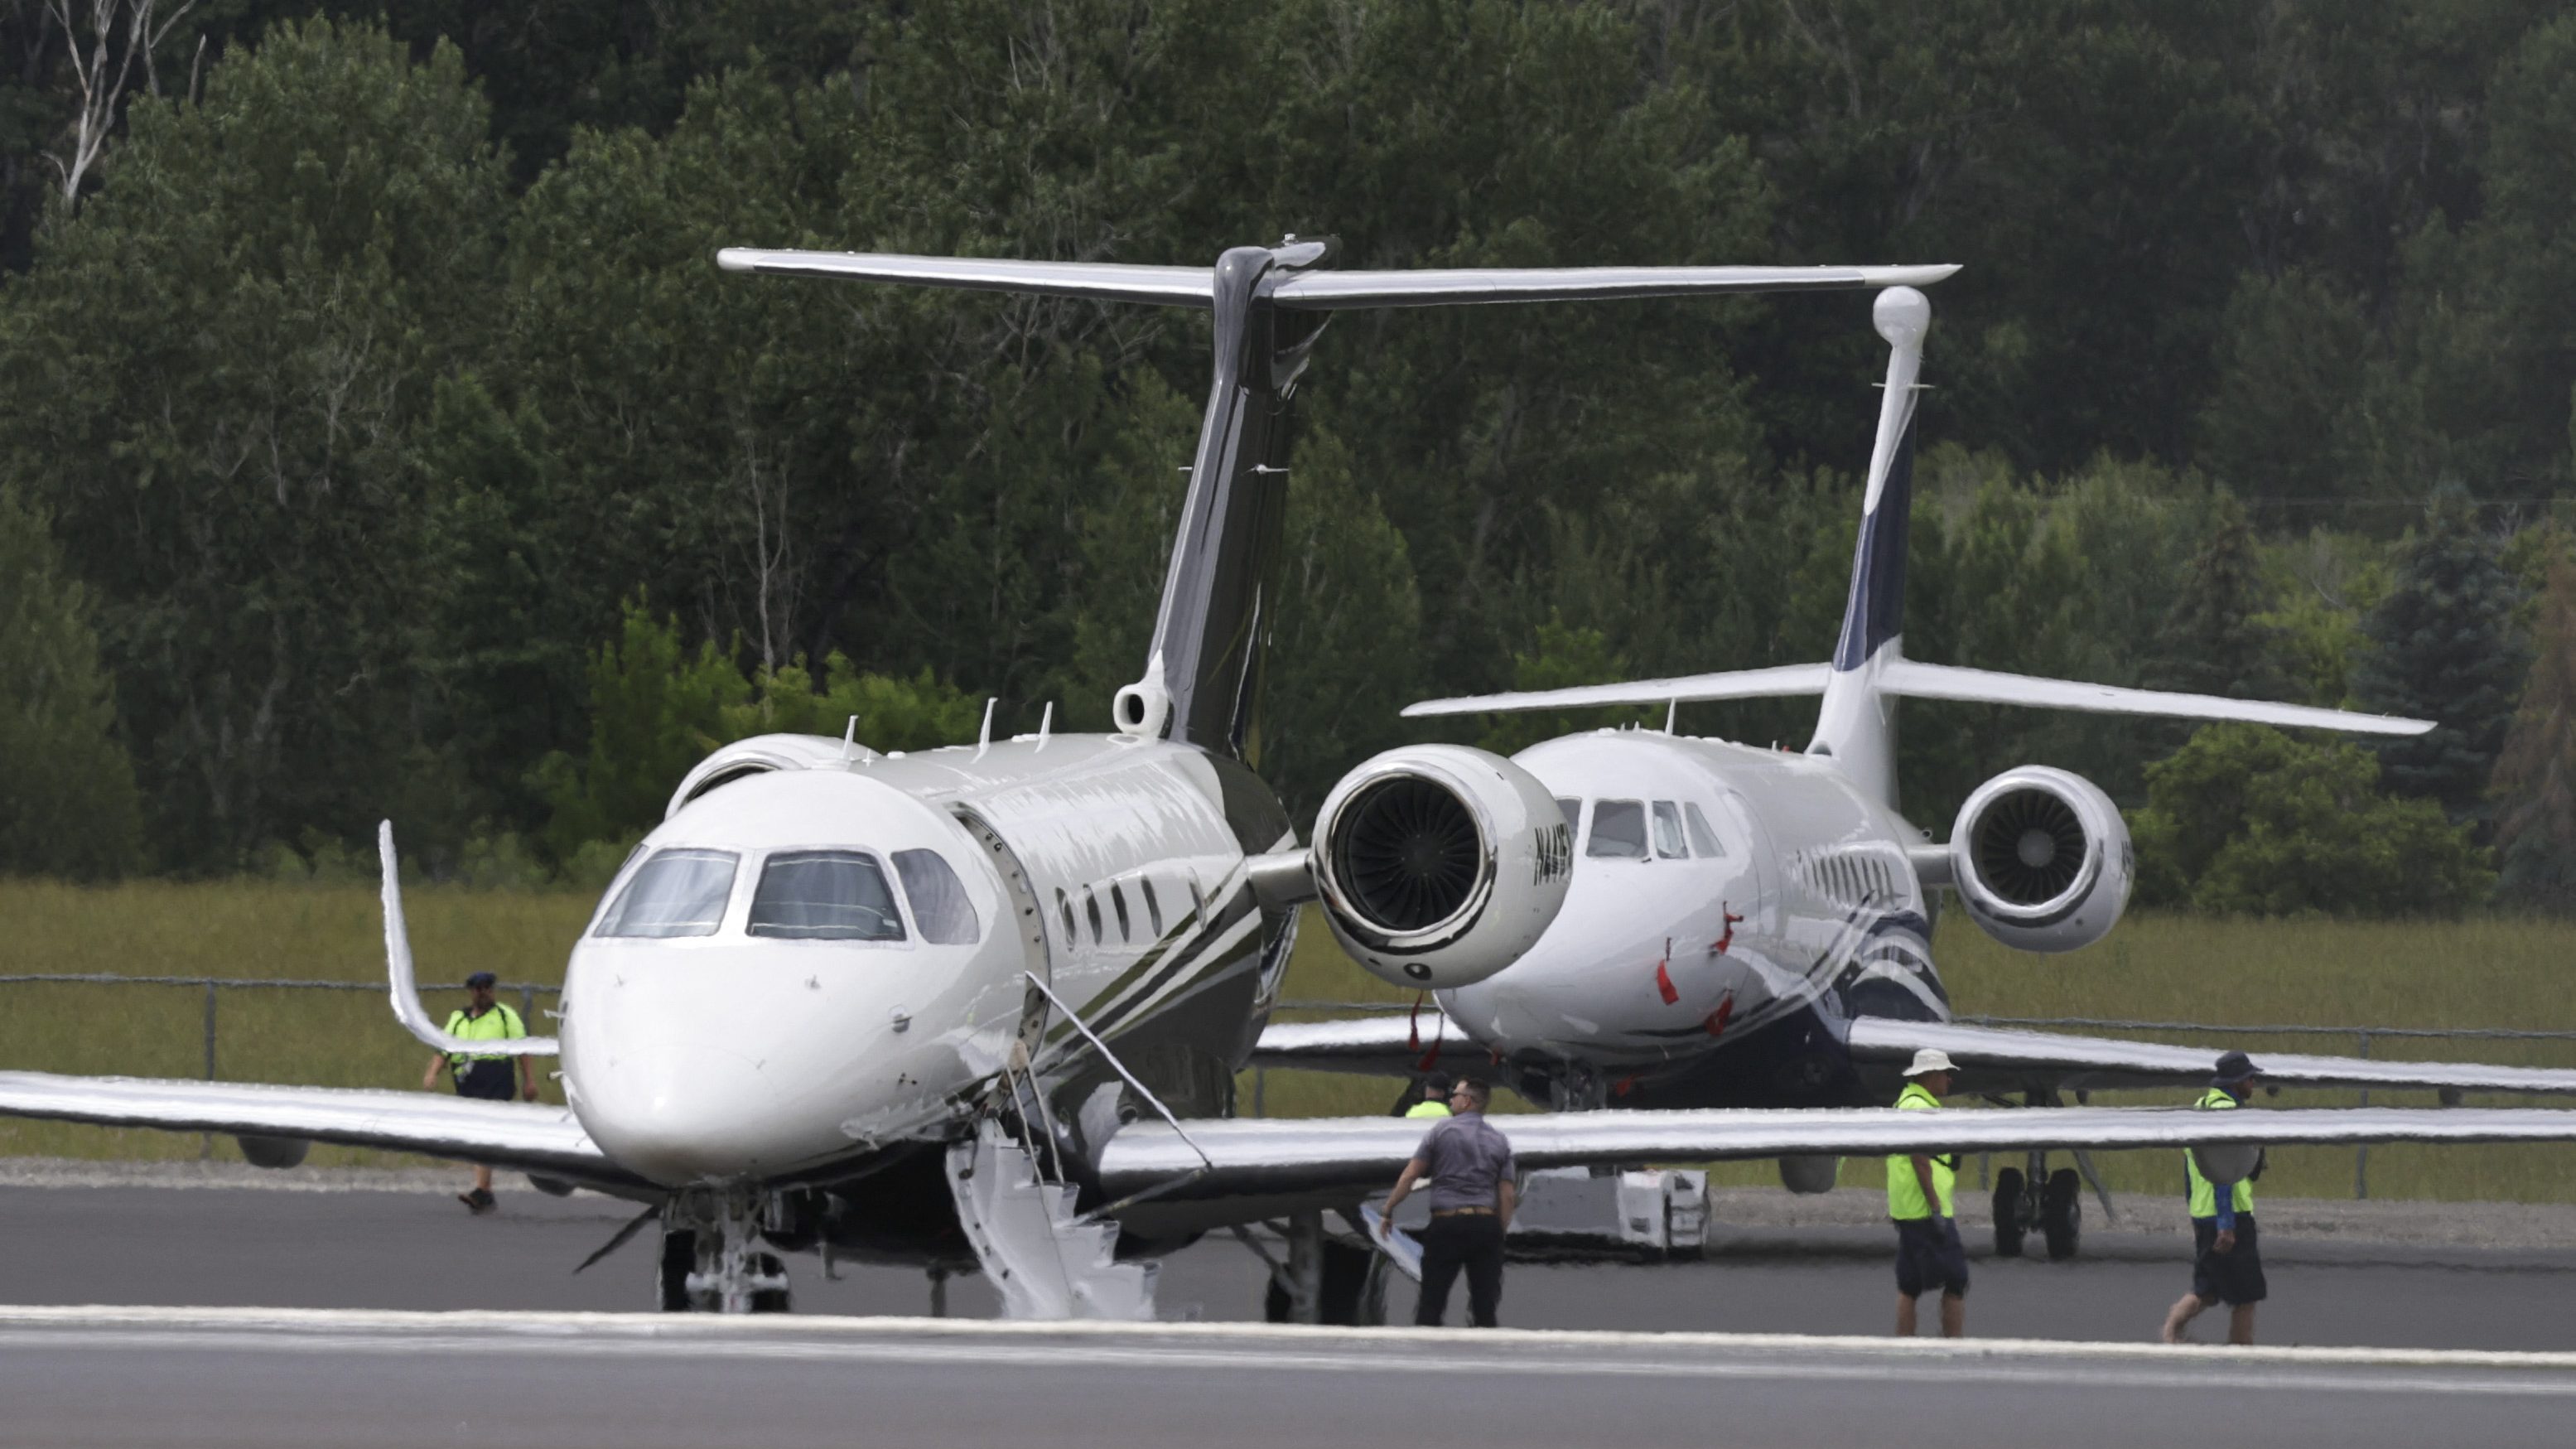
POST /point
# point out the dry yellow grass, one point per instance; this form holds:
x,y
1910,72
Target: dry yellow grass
x,y
2496,973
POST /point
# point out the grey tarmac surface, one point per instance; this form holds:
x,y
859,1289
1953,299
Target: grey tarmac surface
x,y
217,1378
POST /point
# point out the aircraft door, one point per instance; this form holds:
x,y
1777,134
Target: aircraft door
x,y
1029,924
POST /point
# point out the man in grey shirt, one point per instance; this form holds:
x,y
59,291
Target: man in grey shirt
x,y
1469,1163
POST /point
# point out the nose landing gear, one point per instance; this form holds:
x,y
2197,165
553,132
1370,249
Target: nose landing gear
x,y
708,1263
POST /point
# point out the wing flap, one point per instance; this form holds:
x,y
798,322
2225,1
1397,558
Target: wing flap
x,y
1274,1158
2013,1060
528,1137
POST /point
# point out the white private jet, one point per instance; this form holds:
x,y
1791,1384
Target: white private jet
x,y
1750,928
983,1007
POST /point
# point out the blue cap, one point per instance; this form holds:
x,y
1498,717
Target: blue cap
x,y
481,978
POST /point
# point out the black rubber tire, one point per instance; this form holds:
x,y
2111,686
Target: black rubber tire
x,y
771,1300
671,1276
2061,1213
2010,1224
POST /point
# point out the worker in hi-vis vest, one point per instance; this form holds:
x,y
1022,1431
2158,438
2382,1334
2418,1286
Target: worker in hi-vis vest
x,y
483,1074
1920,1201
1435,1097
2228,1263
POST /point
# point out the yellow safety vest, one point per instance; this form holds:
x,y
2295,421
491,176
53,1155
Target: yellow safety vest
x,y
1904,1191
1427,1109
498,1024
2204,1193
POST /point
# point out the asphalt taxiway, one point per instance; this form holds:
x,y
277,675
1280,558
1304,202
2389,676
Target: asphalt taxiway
x,y
76,1377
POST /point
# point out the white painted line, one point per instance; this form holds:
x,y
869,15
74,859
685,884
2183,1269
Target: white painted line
x,y
1232,1344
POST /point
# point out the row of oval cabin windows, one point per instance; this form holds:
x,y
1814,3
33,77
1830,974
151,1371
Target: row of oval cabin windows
x,y
802,895
1153,911
1644,830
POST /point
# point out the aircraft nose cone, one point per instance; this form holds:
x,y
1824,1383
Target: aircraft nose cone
x,y
690,1115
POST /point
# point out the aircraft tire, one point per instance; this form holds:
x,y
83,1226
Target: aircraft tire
x,y
671,1275
2011,1220
2061,1213
772,1300
1346,1271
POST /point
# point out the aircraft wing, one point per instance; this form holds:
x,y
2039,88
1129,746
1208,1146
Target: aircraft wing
x,y
1375,1046
1252,1163
527,1137
1994,1059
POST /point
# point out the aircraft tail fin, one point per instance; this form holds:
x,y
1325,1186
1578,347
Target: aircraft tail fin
x,y
1202,674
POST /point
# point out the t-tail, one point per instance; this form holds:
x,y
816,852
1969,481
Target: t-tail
x,y
1203,671
1869,673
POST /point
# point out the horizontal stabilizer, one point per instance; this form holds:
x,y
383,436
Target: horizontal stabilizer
x,y
1778,683
1321,290
1999,1059
1916,680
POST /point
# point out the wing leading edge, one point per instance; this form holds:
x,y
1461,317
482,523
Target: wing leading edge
x,y
1995,1058
529,1138
1279,1158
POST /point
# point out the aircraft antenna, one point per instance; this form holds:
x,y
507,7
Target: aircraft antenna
x,y
1046,723
984,738
1672,711
849,739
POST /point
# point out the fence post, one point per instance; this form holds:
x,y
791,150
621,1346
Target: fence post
x,y
1260,1079
527,1003
206,1141
2361,1154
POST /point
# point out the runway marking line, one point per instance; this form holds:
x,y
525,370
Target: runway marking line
x,y
1240,1346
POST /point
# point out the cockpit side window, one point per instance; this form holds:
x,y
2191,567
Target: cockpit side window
x,y
1571,809
939,904
676,893
824,895
1618,830
1668,832
1703,839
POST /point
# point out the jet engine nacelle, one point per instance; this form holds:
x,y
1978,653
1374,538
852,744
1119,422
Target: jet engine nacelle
x,y
2042,859
1439,865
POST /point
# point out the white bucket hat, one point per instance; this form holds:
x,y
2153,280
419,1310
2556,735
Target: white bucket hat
x,y
1931,1059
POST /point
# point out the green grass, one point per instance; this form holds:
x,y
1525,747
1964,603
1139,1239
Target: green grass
x,y
2497,973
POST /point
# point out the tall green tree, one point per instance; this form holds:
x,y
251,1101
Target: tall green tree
x,y
2213,641
68,805
2534,790
217,367
2444,647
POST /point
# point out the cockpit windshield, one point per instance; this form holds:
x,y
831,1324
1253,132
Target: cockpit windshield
x,y
824,895
676,893
1618,831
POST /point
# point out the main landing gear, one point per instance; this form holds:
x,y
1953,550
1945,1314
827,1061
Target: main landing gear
x,y
2049,1201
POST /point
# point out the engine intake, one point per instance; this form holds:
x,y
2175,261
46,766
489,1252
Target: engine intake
x,y
1439,865
2042,859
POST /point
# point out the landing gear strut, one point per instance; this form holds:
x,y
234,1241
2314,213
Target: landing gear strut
x,y
1326,1279
708,1263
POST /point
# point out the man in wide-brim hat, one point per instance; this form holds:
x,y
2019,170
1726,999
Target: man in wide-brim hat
x,y
1919,1201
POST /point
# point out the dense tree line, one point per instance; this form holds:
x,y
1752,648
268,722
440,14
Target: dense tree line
x,y
369,395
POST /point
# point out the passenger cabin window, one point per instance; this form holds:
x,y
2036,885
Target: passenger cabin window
x,y
1572,810
824,895
1118,904
1091,910
1064,903
939,905
1618,830
1668,832
1153,907
1703,840
676,893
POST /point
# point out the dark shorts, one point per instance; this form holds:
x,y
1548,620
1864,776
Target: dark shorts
x,y
2233,1277
1928,1256
488,1080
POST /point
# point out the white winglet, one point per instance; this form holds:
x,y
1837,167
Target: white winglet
x,y
406,993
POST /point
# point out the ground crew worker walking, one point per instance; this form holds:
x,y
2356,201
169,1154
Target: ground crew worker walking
x,y
483,1075
1469,1163
1435,1097
2227,1266
1928,1252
